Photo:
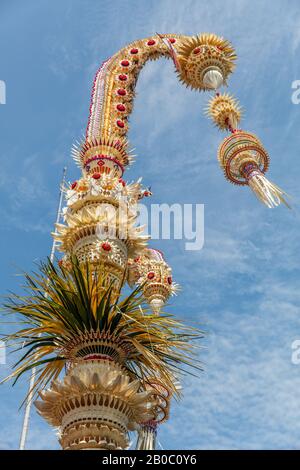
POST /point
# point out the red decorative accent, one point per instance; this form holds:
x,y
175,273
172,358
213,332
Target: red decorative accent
x,y
104,157
250,169
96,176
134,51
123,77
106,246
151,275
125,63
121,92
98,357
100,163
120,124
73,185
197,50
122,182
229,126
151,42
152,424
169,280
121,107
172,40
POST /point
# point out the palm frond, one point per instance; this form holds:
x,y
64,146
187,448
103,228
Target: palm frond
x,y
62,306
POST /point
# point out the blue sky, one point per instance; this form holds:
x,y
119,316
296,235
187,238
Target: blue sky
x,y
243,286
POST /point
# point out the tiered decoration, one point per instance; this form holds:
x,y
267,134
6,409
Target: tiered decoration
x,y
225,111
101,216
96,404
121,358
241,155
152,272
111,350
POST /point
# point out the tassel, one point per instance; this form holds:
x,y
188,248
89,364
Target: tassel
x,y
266,191
147,436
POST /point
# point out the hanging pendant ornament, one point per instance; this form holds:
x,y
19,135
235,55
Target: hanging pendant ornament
x,y
225,111
152,272
241,155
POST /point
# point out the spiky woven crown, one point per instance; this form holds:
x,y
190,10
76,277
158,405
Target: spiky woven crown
x,y
200,53
115,149
224,110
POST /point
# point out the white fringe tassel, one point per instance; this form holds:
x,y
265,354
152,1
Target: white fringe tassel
x,y
146,438
266,191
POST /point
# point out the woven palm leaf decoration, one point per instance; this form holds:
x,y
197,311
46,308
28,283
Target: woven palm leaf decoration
x,y
241,155
107,363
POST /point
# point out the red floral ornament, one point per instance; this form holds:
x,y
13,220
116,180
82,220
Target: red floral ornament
x,y
121,92
151,275
73,185
121,107
172,40
120,124
96,176
134,51
106,246
97,357
169,280
197,50
123,77
151,42
125,63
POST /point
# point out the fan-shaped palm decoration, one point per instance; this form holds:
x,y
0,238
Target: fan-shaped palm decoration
x,y
69,316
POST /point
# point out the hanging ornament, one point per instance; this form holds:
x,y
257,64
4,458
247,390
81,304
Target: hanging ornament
x,y
245,162
225,111
241,155
151,270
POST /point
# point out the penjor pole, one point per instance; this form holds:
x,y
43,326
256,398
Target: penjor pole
x,y
26,419
121,366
